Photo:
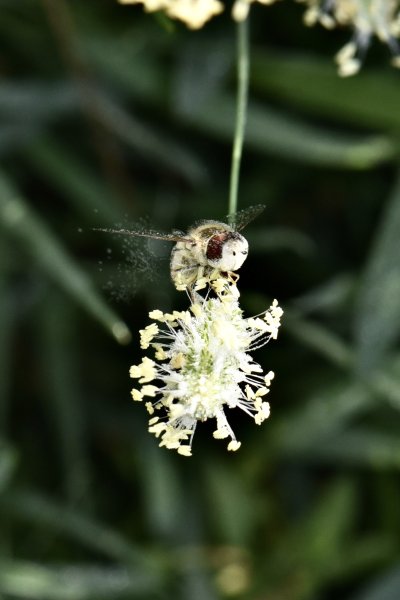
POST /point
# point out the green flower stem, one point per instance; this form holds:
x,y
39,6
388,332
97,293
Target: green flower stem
x,y
241,109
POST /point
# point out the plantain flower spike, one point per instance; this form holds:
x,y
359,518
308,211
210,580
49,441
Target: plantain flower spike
x,y
202,367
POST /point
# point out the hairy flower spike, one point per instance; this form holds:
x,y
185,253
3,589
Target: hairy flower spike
x,y
204,367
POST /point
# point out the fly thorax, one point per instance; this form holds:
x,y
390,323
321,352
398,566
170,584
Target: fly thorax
x,y
197,253
227,251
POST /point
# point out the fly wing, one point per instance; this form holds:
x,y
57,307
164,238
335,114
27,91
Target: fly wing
x,y
177,236
242,218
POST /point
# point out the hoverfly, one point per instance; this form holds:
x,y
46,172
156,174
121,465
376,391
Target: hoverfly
x,y
207,247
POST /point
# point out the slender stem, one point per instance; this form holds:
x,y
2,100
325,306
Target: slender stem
x,y
241,109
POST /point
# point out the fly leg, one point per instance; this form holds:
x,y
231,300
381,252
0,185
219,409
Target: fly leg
x,y
231,276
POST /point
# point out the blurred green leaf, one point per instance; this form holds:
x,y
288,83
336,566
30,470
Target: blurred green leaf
x,y
384,587
326,414
270,131
195,581
13,136
72,582
27,107
386,497
320,339
328,525
36,509
8,319
360,446
371,99
150,143
327,297
163,491
61,362
8,463
320,549
131,61
387,384
377,309
79,185
232,506
46,102
360,557
32,102
18,219
199,75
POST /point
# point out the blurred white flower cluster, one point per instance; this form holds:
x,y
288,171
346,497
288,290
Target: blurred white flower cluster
x,y
367,18
202,366
194,13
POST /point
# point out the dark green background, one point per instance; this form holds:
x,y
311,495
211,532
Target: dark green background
x,y
113,117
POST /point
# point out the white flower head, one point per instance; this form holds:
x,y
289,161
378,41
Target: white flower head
x,y
204,367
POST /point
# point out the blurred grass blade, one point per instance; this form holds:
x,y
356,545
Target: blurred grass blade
x,y
328,297
377,310
371,99
320,339
198,74
362,556
39,242
311,546
360,447
127,63
60,367
80,187
329,523
162,489
327,412
32,102
383,587
14,136
7,325
36,509
273,132
8,462
73,582
387,385
150,144
321,547
231,505
268,131
131,68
